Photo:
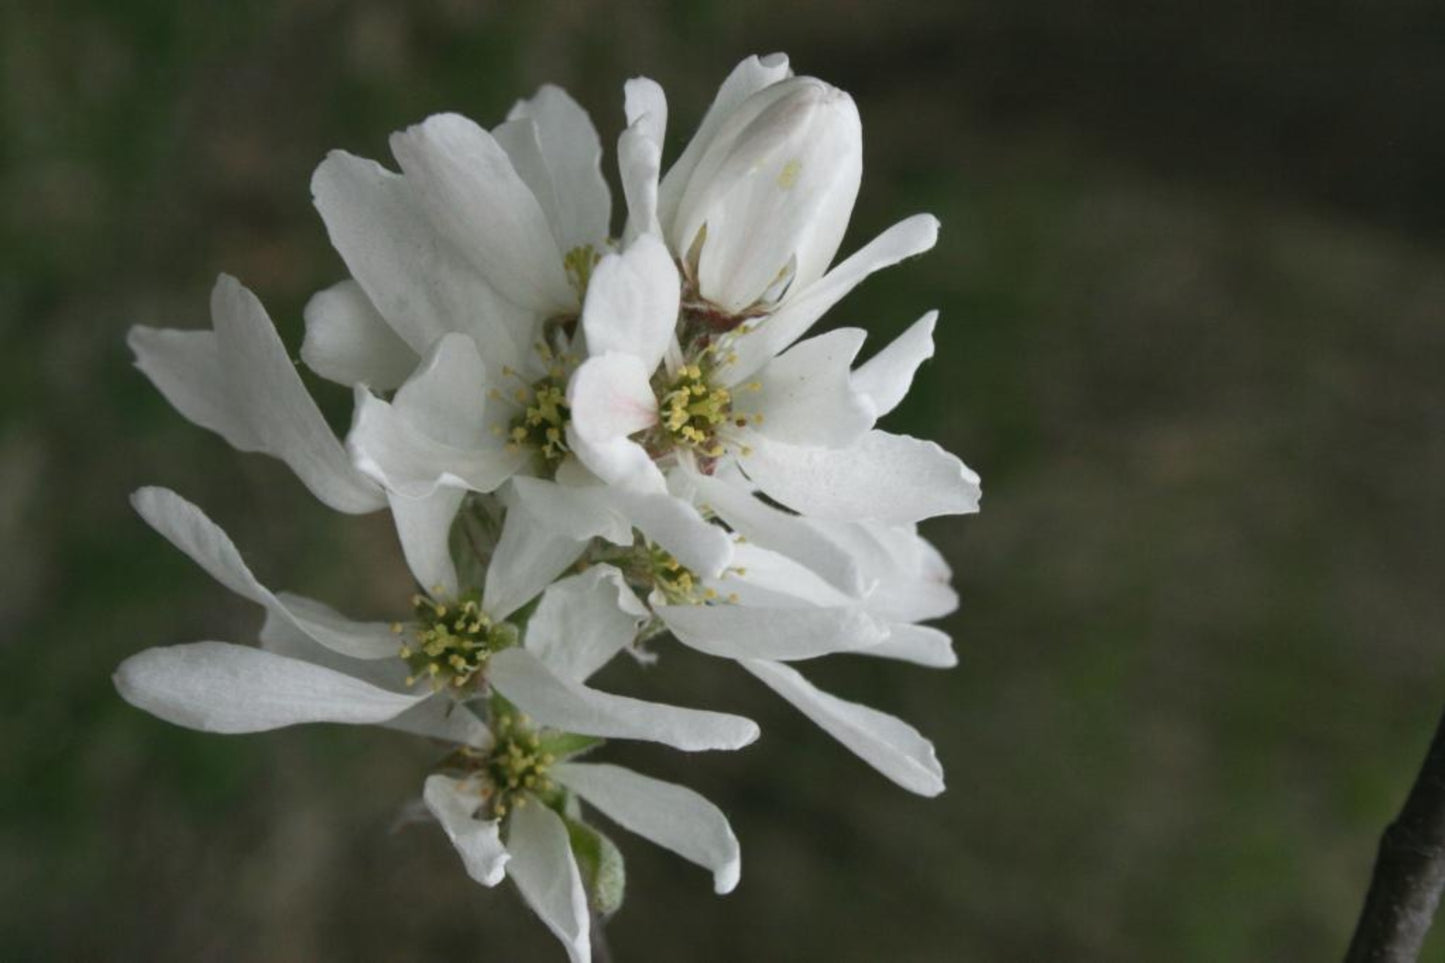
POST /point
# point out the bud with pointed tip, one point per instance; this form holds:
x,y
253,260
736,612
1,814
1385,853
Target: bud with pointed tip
x,y
766,204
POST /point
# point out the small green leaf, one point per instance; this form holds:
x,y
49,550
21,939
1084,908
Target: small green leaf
x,y
601,865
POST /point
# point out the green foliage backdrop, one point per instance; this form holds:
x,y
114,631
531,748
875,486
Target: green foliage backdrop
x,y
1192,290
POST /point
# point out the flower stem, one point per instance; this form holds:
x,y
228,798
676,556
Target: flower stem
x,y
601,952
1409,871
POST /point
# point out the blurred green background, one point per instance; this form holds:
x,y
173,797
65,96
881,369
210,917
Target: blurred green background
x,y
1192,285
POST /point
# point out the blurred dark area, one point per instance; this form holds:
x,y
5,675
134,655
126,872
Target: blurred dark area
x,y
1192,283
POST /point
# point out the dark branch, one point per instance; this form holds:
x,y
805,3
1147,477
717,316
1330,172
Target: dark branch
x,y
1409,871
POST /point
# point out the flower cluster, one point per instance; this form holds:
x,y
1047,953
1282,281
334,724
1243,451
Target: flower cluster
x,y
588,444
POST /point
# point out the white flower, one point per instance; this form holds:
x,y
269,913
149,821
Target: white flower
x,y
801,430
316,665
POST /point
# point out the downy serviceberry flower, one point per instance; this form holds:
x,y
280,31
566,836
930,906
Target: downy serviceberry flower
x,y
509,792
586,444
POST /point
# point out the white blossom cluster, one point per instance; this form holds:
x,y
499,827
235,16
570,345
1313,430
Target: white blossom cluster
x,y
590,445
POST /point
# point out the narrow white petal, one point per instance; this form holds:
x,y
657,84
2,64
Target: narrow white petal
x,y
359,640
886,377
546,874
564,704
639,155
220,687
424,526
904,239
282,414
454,803
282,635
884,477
806,394
349,342
781,531
763,578
474,197
572,155
885,742
920,644
444,719
632,302
528,556
240,382
583,621
187,528
746,632
674,817
416,277
186,367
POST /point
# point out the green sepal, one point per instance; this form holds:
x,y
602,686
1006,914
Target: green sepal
x,y
565,745
600,862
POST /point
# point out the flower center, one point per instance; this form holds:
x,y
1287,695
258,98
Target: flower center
x,y
650,567
451,643
542,423
692,411
517,764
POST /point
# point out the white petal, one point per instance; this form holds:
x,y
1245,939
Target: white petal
x,y
186,367
611,397
265,384
806,394
904,239
885,477
546,874
414,276
387,448
763,577
886,377
919,644
678,527
281,635
781,531
454,803
564,704
746,632
570,150
612,513
348,341
674,817
241,383
444,719
885,742
639,155
474,197
424,526
528,556
577,512
446,397
187,528
583,621
632,303
219,687
434,432
746,79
